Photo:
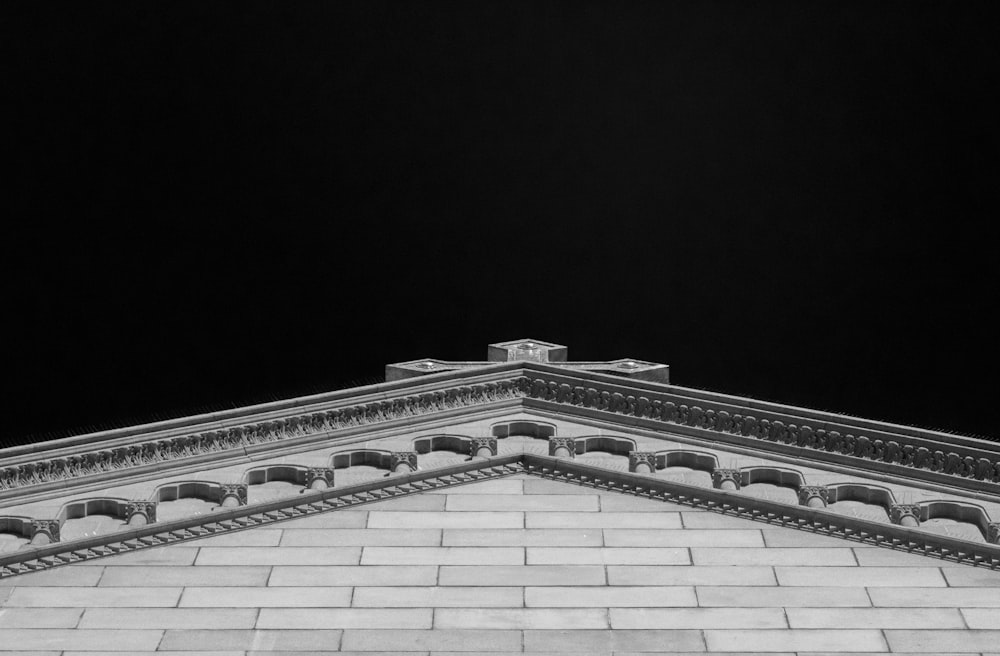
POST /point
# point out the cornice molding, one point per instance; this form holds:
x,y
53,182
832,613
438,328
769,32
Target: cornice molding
x,y
815,520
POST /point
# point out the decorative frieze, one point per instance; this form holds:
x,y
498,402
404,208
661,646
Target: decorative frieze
x,y
483,447
814,496
642,462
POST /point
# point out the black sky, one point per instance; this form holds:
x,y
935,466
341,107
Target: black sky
x,y
209,204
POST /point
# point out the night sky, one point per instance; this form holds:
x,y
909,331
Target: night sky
x,y
212,204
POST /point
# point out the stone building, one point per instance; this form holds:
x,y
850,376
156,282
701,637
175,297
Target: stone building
x,y
526,503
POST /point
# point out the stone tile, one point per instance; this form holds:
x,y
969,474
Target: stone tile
x,y
279,556
265,597
117,640
874,618
149,653
285,640
935,597
617,502
790,537
620,537
876,557
325,653
430,519
523,502
521,537
252,537
740,556
359,537
51,653
508,575
614,640
93,597
982,618
610,596
860,576
168,618
933,642
764,596
697,618
437,597
847,640
411,502
690,575
520,618
502,486
332,519
480,556
581,520
29,618
71,576
608,556
713,653
972,577
175,555
345,618
374,575
182,576
438,639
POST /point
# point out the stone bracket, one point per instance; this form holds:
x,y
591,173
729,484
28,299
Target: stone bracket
x,y
145,508
636,458
477,443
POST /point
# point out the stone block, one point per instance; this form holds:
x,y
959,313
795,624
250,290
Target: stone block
x,y
874,618
786,537
615,537
523,502
697,618
438,639
30,618
846,640
185,576
607,556
878,557
345,618
510,575
610,596
612,641
935,597
982,618
860,576
168,618
437,597
93,597
173,555
411,502
964,577
690,575
764,596
934,642
429,519
361,537
288,597
520,618
258,640
582,520
741,556
116,640
333,519
628,503
480,556
254,537
279,556
512,537
71,576
369,575
501,486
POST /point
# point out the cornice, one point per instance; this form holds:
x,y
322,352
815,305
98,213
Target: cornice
x,y
800,517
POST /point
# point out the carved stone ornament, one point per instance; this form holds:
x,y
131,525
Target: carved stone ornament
x,y
408,458
236,491
993,532
47,527
320,473
810,492
567,443
478,443
636,458
722,476
908,513
145,508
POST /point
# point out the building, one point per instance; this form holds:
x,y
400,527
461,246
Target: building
x,y
526,503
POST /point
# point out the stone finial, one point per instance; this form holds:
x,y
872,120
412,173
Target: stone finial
x,y
403,461
726,479
526,349
642,462
814,496
905,514
562,447
319,478
993,532
234,494
483,447
139,513
44,531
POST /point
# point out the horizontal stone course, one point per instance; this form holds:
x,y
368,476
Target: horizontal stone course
x,y
584,520
93,597
972,577
345,618
117,640
874,618
402,519
345,575
520,618
578,641
772,556
697,618
531,537
691,575
846,640
201,576
279,556
607,556
982,618
610,596
361,537
485,556
507,575
168,618
31,618
614,537
71,576
764,596
438,597
521,502
935,597
256,639
429,640
287,597
933,641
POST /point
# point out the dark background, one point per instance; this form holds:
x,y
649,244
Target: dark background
x,y
212,204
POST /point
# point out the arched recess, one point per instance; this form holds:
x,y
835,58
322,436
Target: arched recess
x,y
439,450
90,517
858,500
684,466
534,429
274,482
15,532
604,450
187,498
774,483
966,521
361,465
